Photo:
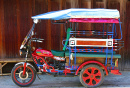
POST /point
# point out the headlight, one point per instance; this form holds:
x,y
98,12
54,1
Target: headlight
x,y
22,52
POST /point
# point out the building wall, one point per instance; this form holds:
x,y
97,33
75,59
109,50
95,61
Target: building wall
x,y
15,22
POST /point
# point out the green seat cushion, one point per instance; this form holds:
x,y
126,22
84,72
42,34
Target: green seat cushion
x,y
93,54
58,53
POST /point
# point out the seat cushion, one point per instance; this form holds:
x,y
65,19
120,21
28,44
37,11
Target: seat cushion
x,y
58,53
92,54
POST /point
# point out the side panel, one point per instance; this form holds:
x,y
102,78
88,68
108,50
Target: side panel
x,y
90,42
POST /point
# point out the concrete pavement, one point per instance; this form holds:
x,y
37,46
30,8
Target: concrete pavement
x,y
48,81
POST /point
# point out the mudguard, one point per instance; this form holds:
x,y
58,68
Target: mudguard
x,y
27,64
91,62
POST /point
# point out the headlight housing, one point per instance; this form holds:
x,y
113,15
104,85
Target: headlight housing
x,y
22,52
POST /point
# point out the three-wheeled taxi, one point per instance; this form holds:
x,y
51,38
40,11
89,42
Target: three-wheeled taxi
x,y
89,54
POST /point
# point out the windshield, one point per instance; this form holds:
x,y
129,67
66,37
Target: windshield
x,y
27,36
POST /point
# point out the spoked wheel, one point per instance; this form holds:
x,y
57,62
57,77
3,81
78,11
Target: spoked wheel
x,y
20,79
91,76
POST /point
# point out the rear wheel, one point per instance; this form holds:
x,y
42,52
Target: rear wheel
x,y
23,80
91,76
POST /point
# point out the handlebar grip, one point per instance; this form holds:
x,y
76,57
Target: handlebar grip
x,y
37,41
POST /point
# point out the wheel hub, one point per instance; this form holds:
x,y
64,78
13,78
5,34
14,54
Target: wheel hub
x,y
92,76
23,77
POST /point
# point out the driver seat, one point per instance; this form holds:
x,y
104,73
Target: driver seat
x,y
58,53
62,53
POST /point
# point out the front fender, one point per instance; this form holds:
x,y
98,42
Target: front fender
x,y
27,64
91,62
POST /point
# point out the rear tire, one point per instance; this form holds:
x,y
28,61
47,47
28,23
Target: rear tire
x,y
91,76
23,80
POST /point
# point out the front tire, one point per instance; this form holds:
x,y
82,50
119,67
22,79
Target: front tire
x,y
23,80
91,76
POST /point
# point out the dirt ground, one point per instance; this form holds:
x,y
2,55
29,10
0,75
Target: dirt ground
x,y
49,81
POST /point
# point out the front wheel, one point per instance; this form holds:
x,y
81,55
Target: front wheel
x,y
91,76
20,79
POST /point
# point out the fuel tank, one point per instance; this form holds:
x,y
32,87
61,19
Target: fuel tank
x,y
41,52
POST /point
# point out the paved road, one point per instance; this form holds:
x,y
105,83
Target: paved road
x,y
48,81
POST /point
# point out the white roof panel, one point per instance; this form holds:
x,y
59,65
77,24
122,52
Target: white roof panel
x,y
79,13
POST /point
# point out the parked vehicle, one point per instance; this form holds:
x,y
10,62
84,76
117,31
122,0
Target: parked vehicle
x,y
89,54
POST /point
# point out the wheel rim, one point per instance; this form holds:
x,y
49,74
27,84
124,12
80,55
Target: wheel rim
x,y
91,76
26,79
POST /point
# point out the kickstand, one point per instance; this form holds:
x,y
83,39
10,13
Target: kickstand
x,y
38,77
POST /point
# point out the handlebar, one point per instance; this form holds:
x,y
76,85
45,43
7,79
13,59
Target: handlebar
x,y
37,39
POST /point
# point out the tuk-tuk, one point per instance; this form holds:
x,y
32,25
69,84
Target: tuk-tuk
x,y
89,54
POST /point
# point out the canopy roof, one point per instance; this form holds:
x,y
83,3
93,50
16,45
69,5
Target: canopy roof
x,y
79,13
